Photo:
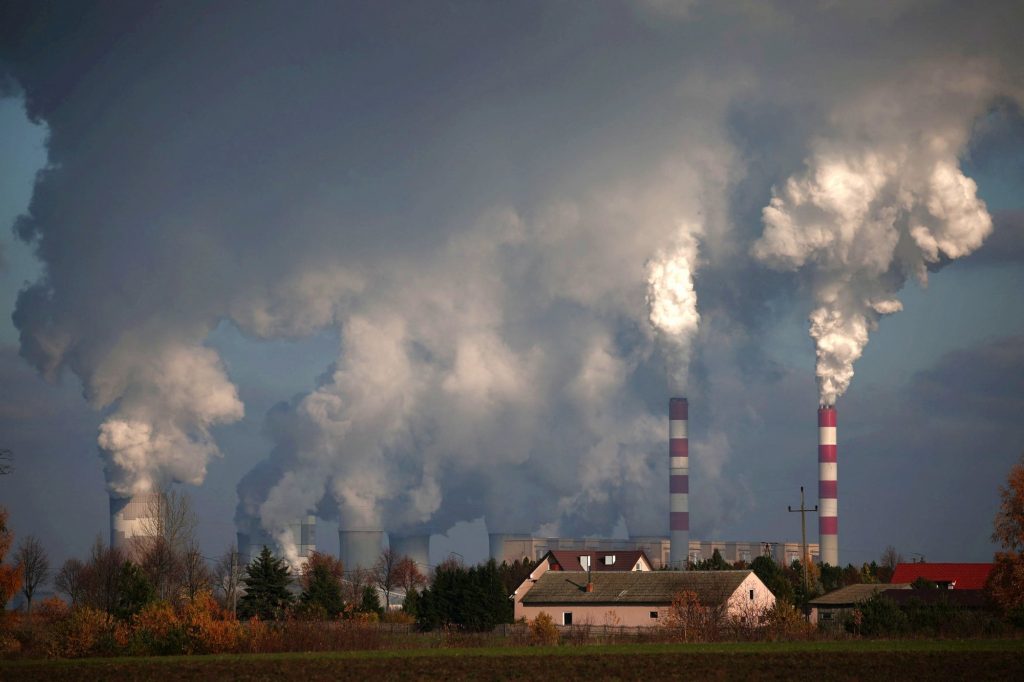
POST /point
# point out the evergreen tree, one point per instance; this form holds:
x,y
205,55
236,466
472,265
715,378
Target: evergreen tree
x,y
266,588
370,602
323,591
134,591
411,603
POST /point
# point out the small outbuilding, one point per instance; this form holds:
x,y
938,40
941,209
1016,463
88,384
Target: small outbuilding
x,y
638,598
832,608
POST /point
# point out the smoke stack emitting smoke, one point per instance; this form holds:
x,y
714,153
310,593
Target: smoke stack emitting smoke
x,y
828,487
679,482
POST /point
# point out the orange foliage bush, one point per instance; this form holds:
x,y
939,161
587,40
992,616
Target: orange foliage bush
x,y
210,629
79,634
10,575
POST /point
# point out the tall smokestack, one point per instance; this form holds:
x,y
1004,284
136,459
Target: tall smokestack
x,y
828,494
678,482
132,518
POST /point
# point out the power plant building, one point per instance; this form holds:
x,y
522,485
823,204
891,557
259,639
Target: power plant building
x,y
510,548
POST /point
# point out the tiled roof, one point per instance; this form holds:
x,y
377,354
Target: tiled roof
x,y
569,559
853,594
633,587
966,576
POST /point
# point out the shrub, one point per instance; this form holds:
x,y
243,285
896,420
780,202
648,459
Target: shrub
x,y
80,634
543,631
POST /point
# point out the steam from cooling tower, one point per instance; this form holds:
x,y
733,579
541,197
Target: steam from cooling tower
x,y
882,198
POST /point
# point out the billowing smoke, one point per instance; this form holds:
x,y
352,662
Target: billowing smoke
x,y
882,198
500,208
672,302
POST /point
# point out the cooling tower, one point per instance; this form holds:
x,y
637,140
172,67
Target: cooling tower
x,y
828,493
678,483
359,549
496,542
132,518
304,533
416,547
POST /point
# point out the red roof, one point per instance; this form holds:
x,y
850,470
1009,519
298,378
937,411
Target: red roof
x,y
569,559
960,576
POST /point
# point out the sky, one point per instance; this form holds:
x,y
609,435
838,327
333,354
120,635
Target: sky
x,y
437,267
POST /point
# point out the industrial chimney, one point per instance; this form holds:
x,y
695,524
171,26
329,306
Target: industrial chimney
x,y
828,494
678,483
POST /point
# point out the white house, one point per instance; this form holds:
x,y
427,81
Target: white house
x,y
637,597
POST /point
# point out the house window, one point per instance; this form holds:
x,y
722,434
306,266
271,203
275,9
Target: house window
x,y
609,560
751,595
567,618
654,614
826,615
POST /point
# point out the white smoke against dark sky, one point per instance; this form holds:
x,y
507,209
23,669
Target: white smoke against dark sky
x,y
506,212
882,199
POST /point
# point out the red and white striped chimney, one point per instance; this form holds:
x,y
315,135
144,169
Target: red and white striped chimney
x,y
828,494
678,483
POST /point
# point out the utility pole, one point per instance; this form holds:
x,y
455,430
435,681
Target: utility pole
x,y
804,560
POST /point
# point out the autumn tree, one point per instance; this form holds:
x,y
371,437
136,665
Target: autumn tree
x,y
1006,581
35,567
10,576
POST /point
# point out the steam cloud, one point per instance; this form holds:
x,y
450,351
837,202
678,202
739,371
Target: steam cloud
x,y
882,198
502,219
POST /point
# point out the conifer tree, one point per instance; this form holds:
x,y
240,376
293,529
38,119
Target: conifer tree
x,y
266,588
323,590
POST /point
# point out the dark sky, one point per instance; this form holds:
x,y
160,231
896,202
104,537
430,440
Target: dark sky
x,y
437,267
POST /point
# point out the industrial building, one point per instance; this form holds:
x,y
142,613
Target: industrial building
x,y
302,530
505,547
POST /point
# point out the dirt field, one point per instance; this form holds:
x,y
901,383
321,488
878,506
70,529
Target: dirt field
x,y
878,661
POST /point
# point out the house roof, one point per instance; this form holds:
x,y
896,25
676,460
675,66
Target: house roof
x,y
965,576
569,559
854,594
633,587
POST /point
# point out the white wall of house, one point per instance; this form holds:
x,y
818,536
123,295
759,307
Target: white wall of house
x,y
596,614
751,598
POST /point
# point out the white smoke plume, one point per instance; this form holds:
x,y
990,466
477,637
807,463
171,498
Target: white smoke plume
x,y
160,430
882,198
672,303
493,205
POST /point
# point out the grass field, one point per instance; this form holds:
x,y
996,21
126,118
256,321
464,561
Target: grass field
x,y
881,661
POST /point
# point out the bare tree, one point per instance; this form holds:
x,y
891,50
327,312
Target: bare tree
x,y
103,577
35,567
196,576
890,557
167,533
5,461
171,518
71,579
227,576
384,575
